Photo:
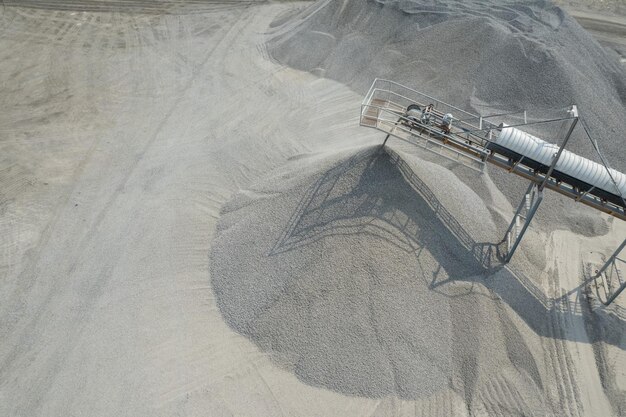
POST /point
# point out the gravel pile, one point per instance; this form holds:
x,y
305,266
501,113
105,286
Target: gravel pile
x,y
367,272
360,277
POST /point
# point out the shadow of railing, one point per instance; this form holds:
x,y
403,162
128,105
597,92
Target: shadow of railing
x,y
488,255
350,199
320,208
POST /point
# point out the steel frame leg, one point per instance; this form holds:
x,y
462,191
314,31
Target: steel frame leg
x,y
610,262
526,211
389,134
529,205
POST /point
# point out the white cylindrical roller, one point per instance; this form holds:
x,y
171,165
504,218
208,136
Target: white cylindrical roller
x,y
569,163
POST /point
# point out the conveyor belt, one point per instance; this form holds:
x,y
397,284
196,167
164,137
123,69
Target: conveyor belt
x,y
469,143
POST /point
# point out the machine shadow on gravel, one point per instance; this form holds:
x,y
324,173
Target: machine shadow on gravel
x,y
322,207
324,211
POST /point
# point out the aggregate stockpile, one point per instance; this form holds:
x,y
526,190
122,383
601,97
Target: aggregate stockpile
x,y
355,269
357,272
337,266
486,56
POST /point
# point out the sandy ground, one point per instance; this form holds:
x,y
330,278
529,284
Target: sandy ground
x,y
606,21
123,137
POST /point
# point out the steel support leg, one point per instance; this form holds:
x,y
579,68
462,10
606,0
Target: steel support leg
x,y
389,134
614,261
525,213
529,205
568,127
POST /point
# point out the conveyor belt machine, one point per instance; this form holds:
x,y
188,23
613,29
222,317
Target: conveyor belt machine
x,y
473,140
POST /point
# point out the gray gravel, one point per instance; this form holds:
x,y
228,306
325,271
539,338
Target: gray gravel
x,y
361,284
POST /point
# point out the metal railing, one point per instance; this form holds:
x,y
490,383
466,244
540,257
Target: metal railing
x,y
413,96
431,138
396,98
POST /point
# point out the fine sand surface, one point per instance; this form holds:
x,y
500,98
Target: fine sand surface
x,y
192,223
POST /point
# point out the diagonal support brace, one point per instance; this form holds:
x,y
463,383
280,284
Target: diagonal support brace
x,y
612,262
525,213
